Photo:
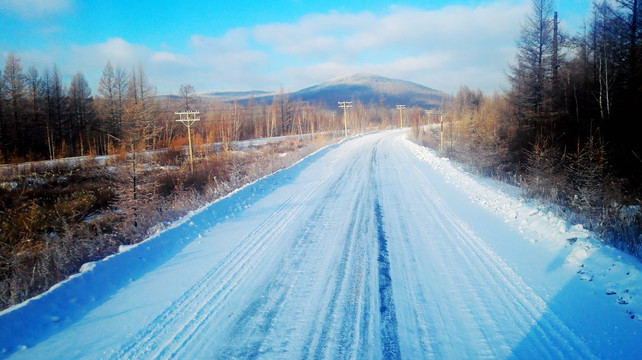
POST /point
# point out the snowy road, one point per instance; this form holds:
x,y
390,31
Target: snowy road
x,y
365,252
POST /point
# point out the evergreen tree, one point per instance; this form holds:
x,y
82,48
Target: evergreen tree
x,y
532,77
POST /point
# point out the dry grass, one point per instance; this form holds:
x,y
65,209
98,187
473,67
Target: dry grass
x,y
54,219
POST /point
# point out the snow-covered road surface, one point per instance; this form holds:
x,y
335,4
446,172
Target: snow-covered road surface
x,y
361,251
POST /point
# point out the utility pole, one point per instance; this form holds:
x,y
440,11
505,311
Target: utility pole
x,y
188,118
345,105
400,108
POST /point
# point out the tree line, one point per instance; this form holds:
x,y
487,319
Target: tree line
x,y
565,128
574,90
41,117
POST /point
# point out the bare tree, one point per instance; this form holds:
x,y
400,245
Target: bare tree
x,y
34,91
603,37
55,98
120,94
80,111
112,88
139,134
139,89
631,15
285,112
109,104
4,141
187,97
15,90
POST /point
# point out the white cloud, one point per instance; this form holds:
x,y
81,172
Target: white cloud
x,y
313,35
445,48
401,27
170,59
163,68
441,48
116,50
212,63
228,61
35,8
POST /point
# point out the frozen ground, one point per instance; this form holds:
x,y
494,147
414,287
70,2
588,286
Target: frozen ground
x,y
372,248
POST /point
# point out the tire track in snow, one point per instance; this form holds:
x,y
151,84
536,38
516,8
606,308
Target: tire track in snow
x,y
280,288
352,334
357,301
420,326
321,336
342,326
178,326
166,334
489,274
424,327
388,315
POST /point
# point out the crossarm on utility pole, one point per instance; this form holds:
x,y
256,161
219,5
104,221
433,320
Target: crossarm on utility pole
x,y
188,118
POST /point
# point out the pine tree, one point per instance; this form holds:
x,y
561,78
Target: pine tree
x,y
532,77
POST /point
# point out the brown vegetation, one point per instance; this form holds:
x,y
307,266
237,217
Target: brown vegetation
x,y
54,220
132,174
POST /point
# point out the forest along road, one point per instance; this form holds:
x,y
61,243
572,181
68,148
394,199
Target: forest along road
x,y
364,253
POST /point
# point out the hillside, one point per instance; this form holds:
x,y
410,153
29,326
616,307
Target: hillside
x,y
368,88
230,95
365,88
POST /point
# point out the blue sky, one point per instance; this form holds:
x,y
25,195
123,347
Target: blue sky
x,y
282,43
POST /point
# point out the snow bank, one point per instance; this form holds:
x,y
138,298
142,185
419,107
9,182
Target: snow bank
x,y
25,324
611,272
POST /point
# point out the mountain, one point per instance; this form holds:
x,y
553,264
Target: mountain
x,y
230,95
368,88
226,95
365,88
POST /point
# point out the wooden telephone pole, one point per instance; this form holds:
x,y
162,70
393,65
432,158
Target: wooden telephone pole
x,y
188,118
345,105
